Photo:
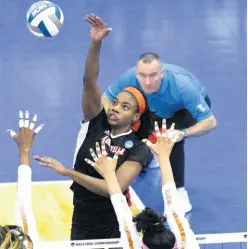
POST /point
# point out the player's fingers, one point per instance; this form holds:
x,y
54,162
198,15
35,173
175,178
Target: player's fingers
x,y
147,142
26,122
100,21
92,19
12,133
104,152
88,20
116,155
89,162
170,132
157,131
21,120
98,150
43,159
93,155
164,128
37,158
46,164
32,124
172,128
49,160
39,128
158,134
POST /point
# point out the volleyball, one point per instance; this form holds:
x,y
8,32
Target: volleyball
x,y
44,19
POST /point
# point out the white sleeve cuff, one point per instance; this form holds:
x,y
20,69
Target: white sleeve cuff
x,y
169,185
169,192
24,171
24,184
124,217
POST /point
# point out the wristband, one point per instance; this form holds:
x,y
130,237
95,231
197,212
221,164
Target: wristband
x,y
185,134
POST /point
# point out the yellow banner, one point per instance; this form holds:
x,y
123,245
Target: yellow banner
x,y
52,207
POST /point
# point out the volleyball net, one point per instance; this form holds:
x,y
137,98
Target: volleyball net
x,y
206,241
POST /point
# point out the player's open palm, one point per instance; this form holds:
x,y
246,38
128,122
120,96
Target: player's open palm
x,y
99,29
164,144
51,163
25,137
103,164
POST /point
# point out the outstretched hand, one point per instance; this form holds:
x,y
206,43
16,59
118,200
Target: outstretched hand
x,y
103,164
25,137
165,140
52,164
99,29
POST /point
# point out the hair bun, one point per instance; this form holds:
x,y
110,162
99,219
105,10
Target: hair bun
x,y
148,219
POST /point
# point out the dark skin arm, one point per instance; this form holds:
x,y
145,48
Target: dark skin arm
x,y
126,174
91,97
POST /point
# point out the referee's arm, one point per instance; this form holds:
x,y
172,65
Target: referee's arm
x,y
197,106
202,127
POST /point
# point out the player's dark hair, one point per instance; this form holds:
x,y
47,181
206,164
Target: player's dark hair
x,y
155,234
148,57
13,237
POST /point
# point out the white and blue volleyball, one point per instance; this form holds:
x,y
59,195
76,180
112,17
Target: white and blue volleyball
x,y
45,19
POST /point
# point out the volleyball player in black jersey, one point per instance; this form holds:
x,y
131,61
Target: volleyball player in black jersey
x,y
127,121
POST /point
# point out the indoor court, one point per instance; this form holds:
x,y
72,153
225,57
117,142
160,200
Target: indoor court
x,y
44,76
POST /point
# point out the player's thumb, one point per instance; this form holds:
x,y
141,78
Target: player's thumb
x,y
12,133
147,142
116,156
109,30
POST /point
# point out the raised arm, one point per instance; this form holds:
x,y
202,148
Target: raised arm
x,y
172,207
162,149
24,140
91,97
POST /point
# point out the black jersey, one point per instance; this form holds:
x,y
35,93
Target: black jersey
x,y
96,130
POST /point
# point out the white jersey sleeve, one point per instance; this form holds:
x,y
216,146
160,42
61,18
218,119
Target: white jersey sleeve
x,y
179,225
23,210
129,235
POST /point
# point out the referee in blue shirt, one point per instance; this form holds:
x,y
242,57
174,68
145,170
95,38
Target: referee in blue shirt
x,y
174,94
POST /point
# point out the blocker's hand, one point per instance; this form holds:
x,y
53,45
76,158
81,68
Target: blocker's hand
x,y
25,137
103,164
165,141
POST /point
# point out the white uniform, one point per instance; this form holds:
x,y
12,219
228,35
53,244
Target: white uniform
x,y
23,210
185,238
125,220
179,225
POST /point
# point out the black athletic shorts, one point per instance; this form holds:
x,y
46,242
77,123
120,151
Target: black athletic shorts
x,y
94,225
182,119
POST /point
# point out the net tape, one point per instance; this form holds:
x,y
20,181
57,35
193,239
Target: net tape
x,y
115,243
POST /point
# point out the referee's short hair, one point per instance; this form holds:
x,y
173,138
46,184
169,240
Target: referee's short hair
x,y
148,57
